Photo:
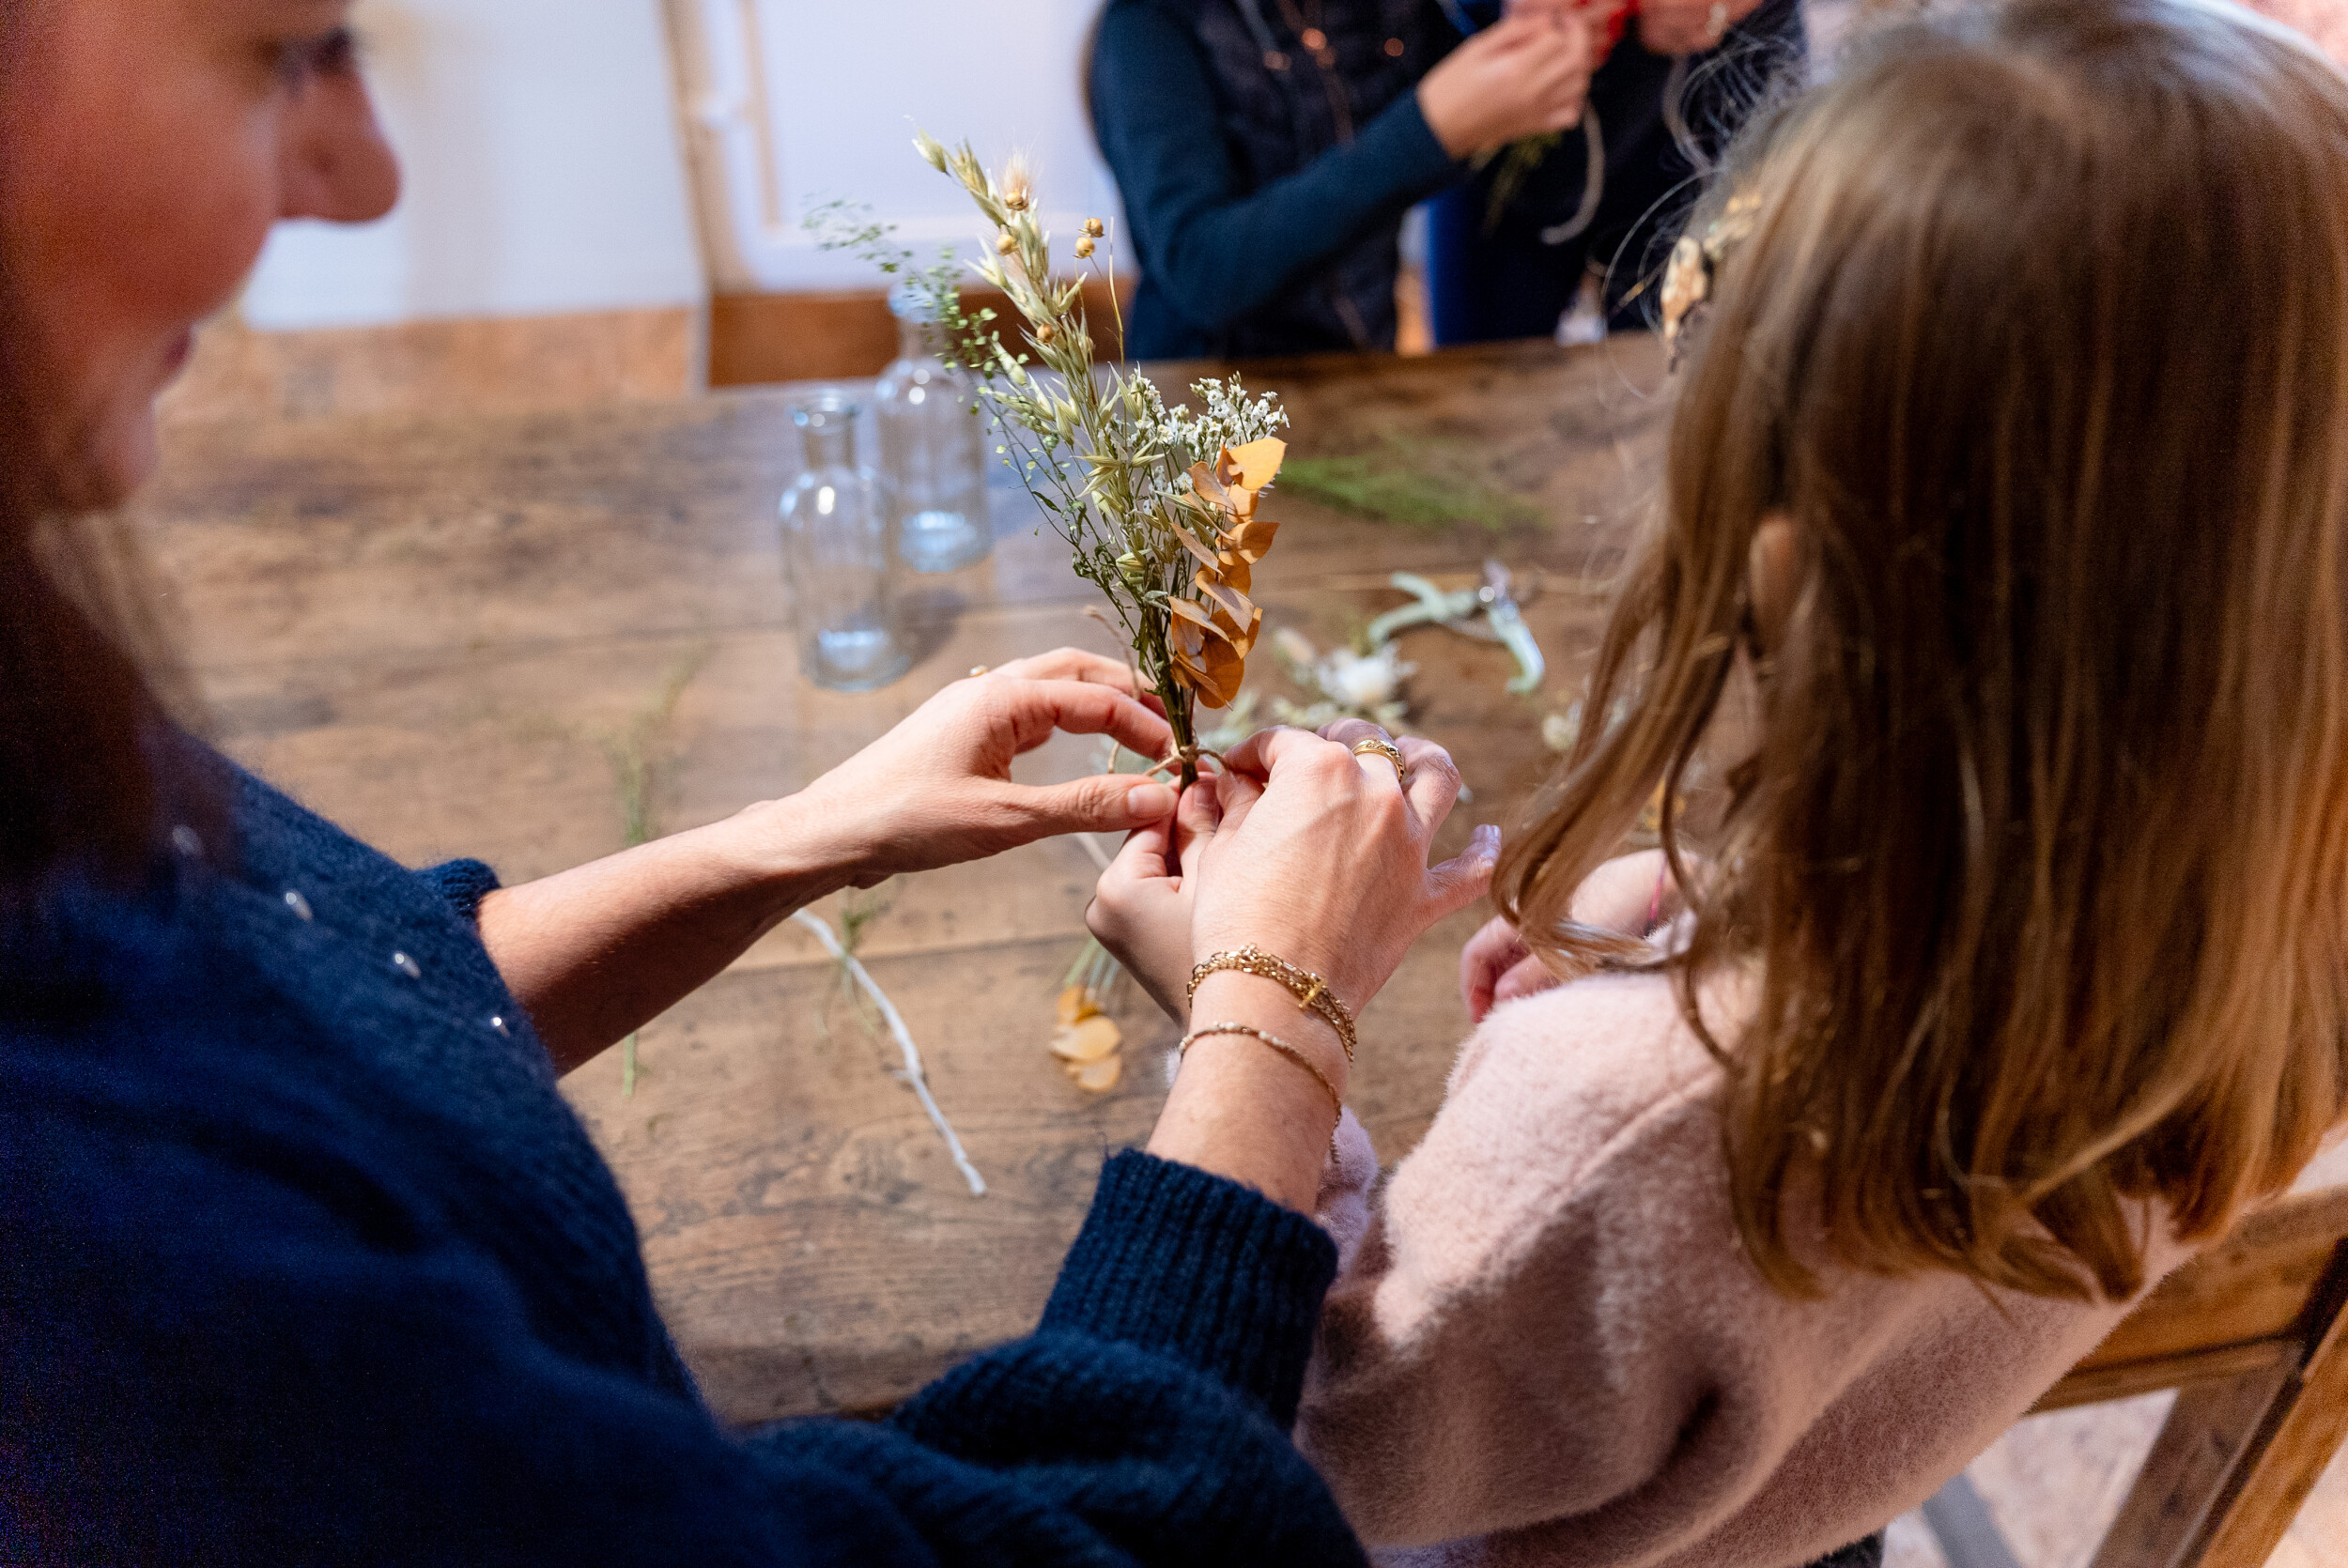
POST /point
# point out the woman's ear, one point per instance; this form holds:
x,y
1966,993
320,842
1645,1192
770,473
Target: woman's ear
x,y
1770,571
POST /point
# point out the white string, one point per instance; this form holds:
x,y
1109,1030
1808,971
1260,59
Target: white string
x,y
1592,183
912,1074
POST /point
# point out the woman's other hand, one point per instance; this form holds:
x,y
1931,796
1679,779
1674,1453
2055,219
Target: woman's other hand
x,y
936,789
1525,75
1690,26
1141,910
1629,896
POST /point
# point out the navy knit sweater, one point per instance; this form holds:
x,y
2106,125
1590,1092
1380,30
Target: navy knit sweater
x,y
304,1261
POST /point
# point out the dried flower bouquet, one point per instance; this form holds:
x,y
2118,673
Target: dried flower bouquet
x,y
1160,505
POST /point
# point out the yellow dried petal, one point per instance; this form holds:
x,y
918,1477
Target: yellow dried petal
x,y
1234,608
1256,465
1251,539
1088,1042
1102,1076
1075,1005
1190,542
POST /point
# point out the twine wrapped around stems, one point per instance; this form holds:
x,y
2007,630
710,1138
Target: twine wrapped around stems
x,y
1183,759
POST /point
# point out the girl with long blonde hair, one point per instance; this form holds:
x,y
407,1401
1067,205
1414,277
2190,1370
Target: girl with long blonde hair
x,y
2002,575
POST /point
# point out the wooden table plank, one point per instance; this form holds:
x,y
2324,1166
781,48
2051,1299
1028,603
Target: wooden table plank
x,y
437,629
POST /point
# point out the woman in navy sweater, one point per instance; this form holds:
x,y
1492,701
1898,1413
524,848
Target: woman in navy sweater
x,y
304,1258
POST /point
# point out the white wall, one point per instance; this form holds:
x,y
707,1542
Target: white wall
x,y
544,172
791,102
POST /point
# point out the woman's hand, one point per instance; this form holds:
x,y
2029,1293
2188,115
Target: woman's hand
x,y
1690,26
1141,910
1630,895
601,949
936,789
1523,76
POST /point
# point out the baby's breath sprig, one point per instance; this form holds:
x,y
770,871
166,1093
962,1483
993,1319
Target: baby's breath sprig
x,y
1160,506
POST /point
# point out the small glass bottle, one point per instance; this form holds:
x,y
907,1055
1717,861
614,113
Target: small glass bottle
x,y
836,557
933,446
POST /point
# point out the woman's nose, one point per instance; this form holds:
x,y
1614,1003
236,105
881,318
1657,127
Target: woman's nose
x,y
336,163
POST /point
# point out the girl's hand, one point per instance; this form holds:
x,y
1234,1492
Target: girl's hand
x,y
1321,859
1630,895
936,789
1523,76
1496,966
1320,856
1690,26
1141,910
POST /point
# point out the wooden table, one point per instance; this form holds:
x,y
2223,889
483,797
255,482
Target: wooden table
x,y
454,635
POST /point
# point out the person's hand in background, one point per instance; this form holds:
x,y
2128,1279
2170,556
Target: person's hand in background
x,y
1690,26
1629,896
1523,76
1606,21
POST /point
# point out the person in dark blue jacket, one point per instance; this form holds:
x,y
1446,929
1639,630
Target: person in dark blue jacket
x,y
1267,150
304,1258
1508,250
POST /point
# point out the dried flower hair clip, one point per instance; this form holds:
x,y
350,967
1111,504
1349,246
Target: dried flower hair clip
x,y
1695,265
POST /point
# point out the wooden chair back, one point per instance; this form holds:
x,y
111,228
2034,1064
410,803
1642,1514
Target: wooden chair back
x,y
2253,1334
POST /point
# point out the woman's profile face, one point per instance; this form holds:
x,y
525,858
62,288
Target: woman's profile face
x,y
146,147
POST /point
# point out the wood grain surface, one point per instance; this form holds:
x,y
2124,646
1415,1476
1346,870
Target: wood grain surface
x,y
454,633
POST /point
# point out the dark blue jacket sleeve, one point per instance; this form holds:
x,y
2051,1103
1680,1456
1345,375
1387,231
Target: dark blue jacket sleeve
x,y
1220,252
214,1355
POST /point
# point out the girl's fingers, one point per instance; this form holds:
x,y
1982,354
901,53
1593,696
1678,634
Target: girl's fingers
x,y
1194,823
1490,953
1144,856
1528,978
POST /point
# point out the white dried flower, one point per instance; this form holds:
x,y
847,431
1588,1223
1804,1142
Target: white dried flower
x,y
1367,684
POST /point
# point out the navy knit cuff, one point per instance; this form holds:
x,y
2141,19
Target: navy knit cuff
x,y
1400,143
1204,1270
464,884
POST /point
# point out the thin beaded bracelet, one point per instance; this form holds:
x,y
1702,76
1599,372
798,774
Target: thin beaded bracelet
x,y
1284,1048
1311,992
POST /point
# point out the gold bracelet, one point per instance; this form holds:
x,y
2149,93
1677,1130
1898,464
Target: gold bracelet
x,y
1284,1049
1311,992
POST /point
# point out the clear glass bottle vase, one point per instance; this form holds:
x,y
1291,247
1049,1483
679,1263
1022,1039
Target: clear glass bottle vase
x,y
837,519
933,446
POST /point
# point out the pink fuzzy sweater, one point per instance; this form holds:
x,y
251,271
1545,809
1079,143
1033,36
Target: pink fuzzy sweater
x,y
1547,1344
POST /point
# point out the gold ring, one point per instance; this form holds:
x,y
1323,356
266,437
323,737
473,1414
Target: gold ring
x,y
1391,752
977,670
